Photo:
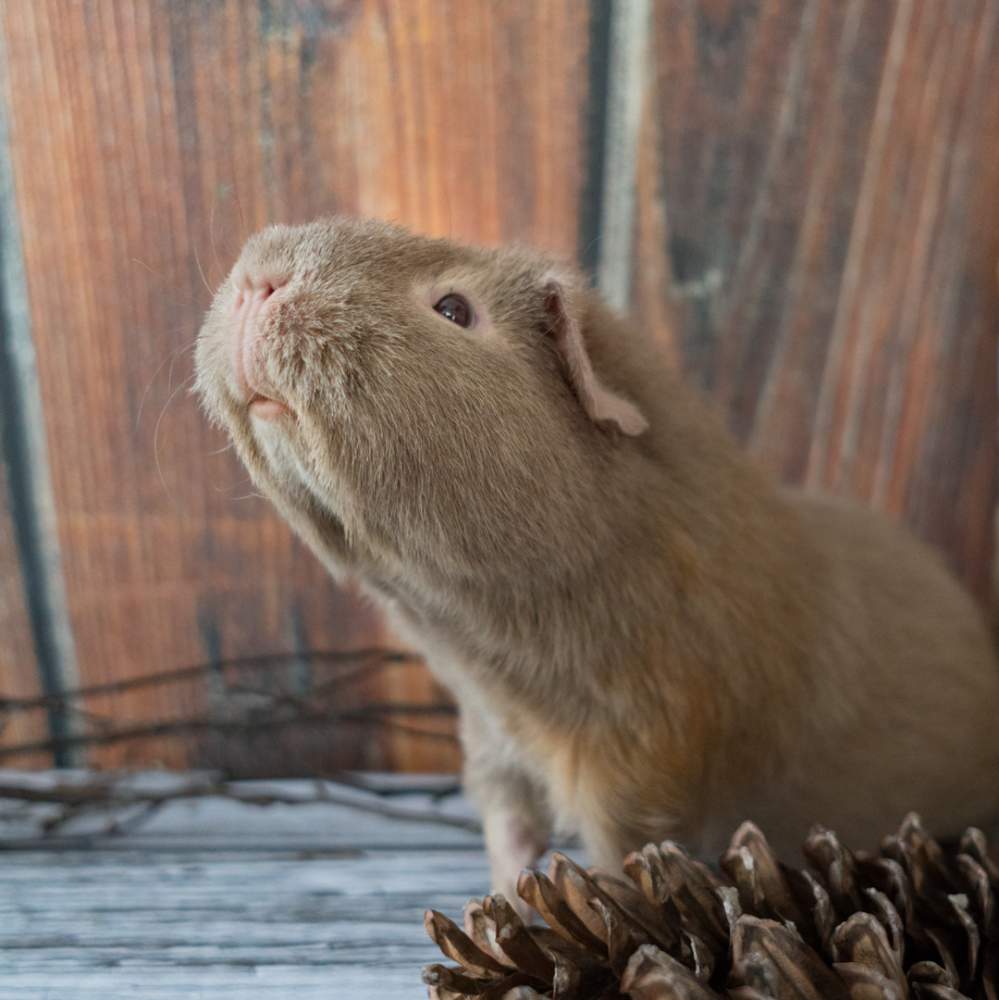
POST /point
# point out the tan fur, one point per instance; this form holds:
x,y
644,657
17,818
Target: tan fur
x,y
646,638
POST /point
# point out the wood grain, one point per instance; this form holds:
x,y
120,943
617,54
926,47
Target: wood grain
x,y
816,235
148,140
19,674
227,900
819,229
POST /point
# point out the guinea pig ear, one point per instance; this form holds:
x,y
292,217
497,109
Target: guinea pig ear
x,y
601,404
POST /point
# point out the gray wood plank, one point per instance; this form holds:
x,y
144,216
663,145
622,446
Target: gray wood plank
x,y
219,899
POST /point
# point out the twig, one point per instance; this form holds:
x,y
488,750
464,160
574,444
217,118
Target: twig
x,y
76,799
437,790
366,657
374,714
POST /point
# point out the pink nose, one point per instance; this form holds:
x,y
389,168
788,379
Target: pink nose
x,y
253,299
258,287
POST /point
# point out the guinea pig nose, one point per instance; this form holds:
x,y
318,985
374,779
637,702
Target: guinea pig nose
x,y
259,285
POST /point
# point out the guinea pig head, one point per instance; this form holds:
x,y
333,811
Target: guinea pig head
x,y
417,402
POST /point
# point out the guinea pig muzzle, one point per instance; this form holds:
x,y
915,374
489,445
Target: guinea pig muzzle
x,y
254,298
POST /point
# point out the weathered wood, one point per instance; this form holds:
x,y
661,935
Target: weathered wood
x,y
20,667
19,675
219,899
819,190
148,140
818,185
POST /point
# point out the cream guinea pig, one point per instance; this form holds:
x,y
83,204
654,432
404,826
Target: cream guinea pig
x,y
646,638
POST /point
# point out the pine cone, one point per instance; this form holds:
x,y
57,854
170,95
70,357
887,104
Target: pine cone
x,y
917,920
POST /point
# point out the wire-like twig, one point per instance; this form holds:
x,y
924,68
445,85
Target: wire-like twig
x,y
100,795
373,714
372,656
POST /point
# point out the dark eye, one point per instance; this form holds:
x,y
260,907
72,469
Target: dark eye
x,y
456,309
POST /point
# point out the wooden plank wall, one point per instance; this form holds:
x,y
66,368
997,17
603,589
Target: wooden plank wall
x,y
822,182
147,141
19,673
22,670
816,225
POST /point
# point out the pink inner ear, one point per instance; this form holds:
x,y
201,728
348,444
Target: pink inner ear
x,y
600,403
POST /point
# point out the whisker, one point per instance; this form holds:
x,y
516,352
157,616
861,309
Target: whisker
x,y
222,450
242,218
171,357
204,280
211,235
142,263
231,486
176,355
156,435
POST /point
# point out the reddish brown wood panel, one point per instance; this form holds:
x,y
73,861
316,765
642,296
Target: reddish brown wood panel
x,y
19,675
148,140
819,194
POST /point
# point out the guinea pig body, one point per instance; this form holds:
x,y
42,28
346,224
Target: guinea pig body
x,y
645,637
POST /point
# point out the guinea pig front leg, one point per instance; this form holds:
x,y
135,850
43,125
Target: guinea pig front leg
x,y
515,815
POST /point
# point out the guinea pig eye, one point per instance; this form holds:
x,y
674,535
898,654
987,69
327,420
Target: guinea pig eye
x,y
455,308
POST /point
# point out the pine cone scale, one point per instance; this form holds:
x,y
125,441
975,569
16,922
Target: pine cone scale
x,y
919,920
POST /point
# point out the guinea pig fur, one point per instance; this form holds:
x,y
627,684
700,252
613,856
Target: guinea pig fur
x,y
646,638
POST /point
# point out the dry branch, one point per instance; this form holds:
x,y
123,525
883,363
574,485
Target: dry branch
x,y
103,794
271,711
375,714
368,657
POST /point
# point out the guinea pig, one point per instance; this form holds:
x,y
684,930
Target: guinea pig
x,y
645,636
